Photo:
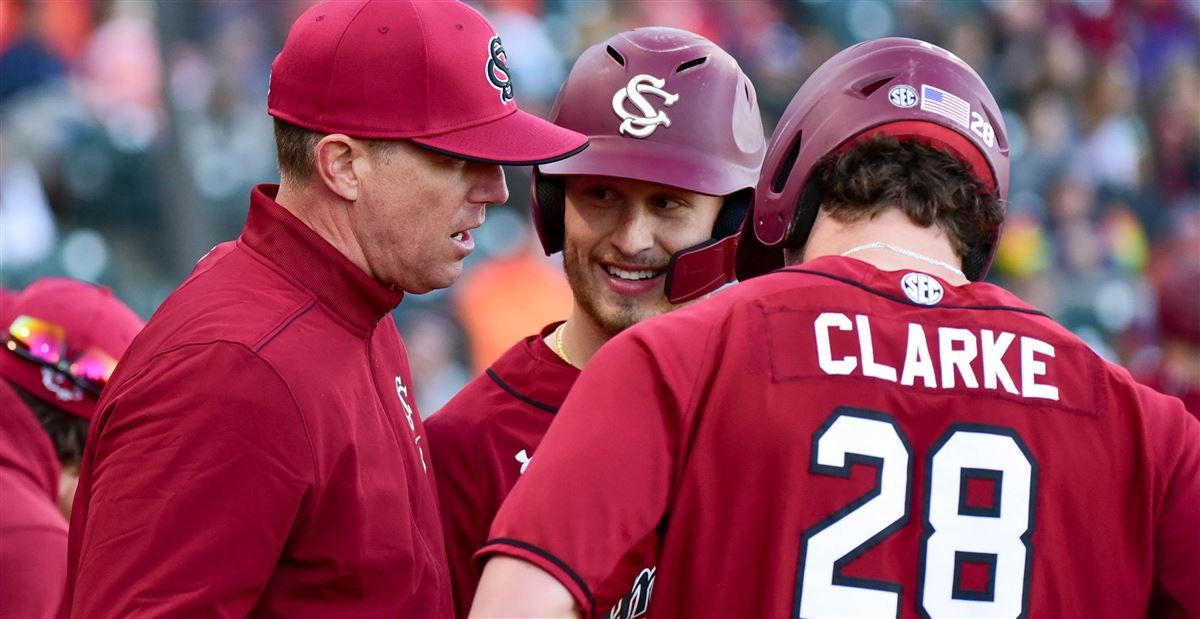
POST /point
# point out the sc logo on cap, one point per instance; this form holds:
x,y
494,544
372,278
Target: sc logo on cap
x,y
497,69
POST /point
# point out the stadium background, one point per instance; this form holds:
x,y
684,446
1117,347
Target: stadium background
x,y
131,133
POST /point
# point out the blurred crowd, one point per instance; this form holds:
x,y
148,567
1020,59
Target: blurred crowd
x,y
131,133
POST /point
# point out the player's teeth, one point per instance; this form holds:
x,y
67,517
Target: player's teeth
x,y
630,275
458,236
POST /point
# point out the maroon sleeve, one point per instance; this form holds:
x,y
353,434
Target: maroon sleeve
x,y
599,484
466,513
1175,436
33,570
193,478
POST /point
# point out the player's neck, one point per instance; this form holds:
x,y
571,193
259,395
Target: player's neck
x,y
890,242
577,340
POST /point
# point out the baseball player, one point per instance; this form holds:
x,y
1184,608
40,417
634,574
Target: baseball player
x,y
871,431
258,452
62,340
676,141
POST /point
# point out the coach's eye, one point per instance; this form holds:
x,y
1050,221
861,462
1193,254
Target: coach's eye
x,y
454,163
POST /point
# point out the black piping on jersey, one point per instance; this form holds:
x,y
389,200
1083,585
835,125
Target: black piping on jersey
x,y
905,301
553,559
520,396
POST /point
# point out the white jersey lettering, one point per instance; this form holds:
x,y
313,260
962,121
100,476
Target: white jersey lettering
x,y
964,356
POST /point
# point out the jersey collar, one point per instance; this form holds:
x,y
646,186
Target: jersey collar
x,y
314,264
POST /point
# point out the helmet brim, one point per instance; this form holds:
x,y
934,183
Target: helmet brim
x,y
655,162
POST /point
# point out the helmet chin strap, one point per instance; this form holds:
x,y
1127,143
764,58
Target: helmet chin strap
x,y
906,252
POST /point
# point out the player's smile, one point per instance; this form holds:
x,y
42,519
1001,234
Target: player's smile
x,y
629,280
620,234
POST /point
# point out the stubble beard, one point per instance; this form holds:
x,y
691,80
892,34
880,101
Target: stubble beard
x,y
611,318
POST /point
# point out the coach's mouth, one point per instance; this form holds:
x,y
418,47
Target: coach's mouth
x,y
464,240
463,237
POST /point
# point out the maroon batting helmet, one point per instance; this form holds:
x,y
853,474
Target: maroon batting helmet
x,y
665,106
902,87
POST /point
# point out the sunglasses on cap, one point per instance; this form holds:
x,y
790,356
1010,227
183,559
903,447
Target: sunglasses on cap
x,y
45,343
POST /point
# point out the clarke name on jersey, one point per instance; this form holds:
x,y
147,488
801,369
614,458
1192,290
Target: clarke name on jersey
x,y
972,359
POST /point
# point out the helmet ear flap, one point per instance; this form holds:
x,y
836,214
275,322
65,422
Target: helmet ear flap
x,y
733,212
549,211
756,259
700,269
977,262
804,218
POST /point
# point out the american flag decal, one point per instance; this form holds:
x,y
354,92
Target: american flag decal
x,y
941,102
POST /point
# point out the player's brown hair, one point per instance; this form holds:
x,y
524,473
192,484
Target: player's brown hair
x,y
931,186
67,432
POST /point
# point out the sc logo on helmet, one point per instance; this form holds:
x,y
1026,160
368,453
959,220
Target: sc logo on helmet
x,y
650,118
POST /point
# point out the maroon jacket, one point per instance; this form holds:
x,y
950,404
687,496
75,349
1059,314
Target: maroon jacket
x,y
33,534
258,451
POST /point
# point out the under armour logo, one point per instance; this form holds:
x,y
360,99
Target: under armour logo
x,y
650,119
497,69
524,459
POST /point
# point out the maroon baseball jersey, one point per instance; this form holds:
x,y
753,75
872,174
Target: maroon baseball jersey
x,y
835,440
482,441
258,451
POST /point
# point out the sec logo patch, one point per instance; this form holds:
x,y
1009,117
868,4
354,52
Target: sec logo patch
x,y
902,96
922,289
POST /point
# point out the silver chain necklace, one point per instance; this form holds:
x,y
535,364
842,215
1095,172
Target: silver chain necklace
x,y
906,252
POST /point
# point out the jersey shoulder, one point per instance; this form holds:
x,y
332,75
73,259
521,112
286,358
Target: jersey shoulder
x,y
523,385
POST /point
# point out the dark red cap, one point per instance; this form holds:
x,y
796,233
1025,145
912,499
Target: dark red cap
x,y
431,71
91,317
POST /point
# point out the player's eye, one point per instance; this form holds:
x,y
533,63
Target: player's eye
x,y
601,193
665,202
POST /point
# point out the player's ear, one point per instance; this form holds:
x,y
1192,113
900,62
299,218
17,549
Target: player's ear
x,y
340,161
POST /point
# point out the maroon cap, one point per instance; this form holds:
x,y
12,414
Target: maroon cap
x,y
90,316
902,87
665,106
430,71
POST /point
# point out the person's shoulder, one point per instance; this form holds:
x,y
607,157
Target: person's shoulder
x,y
692,326
231,296
27,510
461,417
515,385
223,369
1153,407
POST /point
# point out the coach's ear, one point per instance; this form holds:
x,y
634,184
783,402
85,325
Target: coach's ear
x,y
340,159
